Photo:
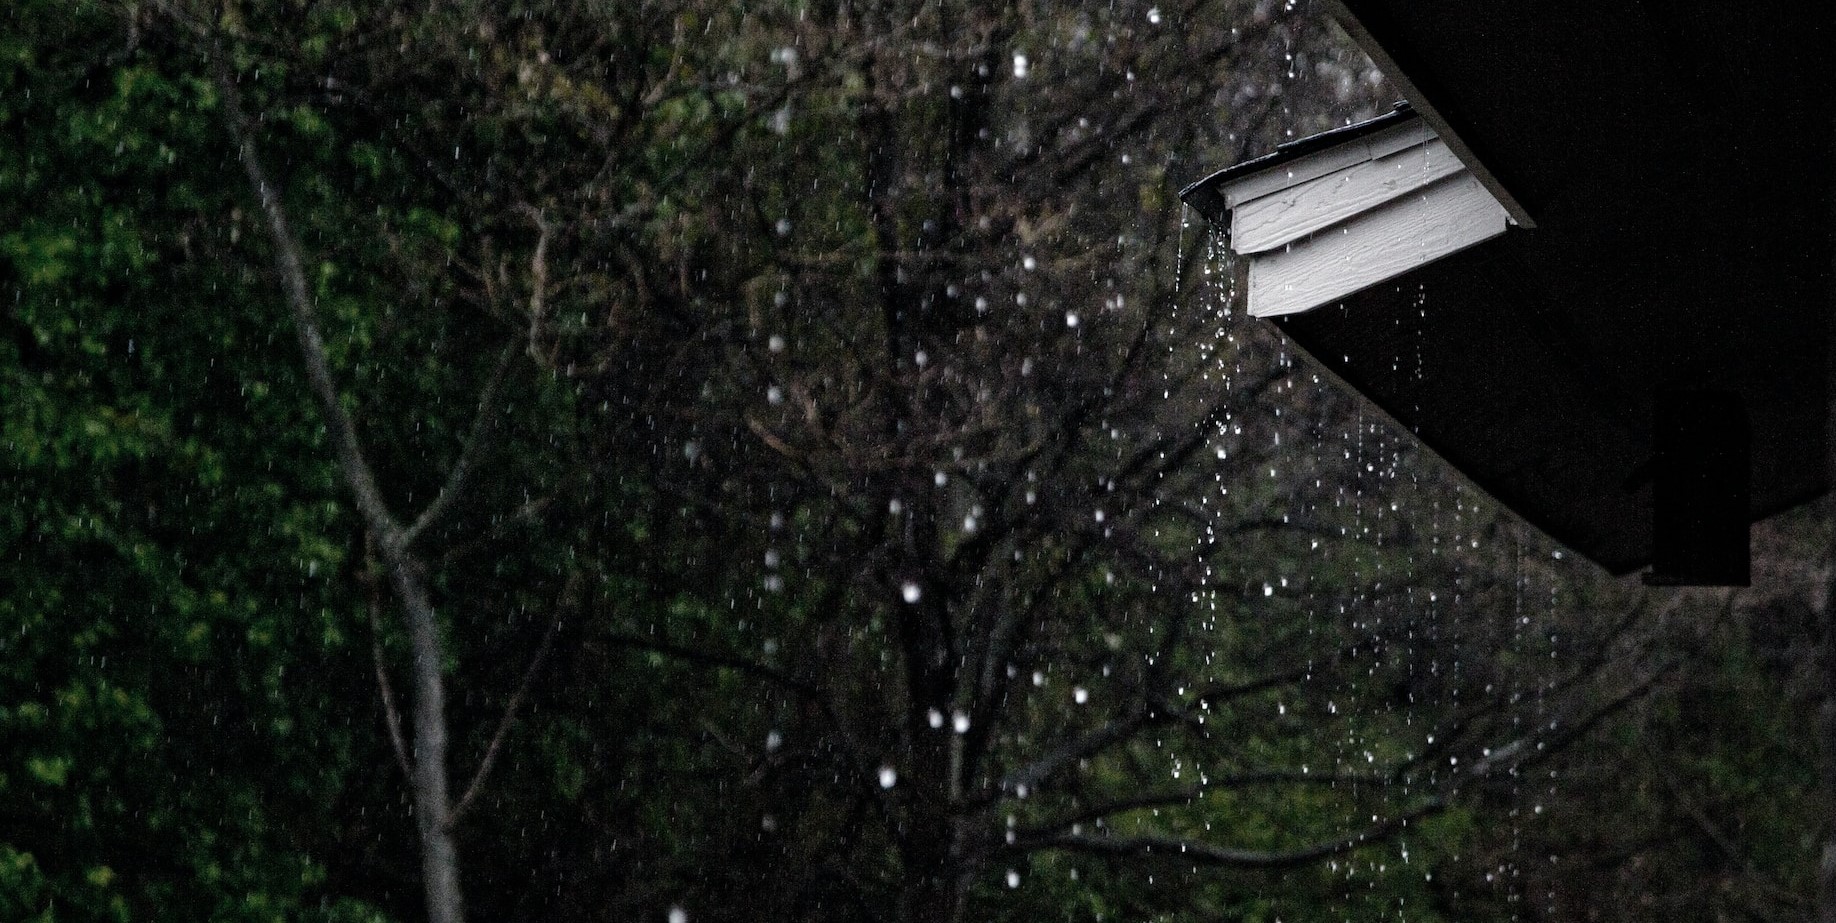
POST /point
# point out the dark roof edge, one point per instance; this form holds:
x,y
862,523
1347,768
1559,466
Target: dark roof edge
x,y
1401,67
1204,196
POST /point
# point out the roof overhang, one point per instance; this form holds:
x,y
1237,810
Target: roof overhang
x,y
1669,167
1348,210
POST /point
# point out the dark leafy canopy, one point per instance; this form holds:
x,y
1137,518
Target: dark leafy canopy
x,y
951,548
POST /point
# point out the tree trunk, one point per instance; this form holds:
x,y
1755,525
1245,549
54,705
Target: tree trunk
x,y
1826,726
933,885
432,791
1826,866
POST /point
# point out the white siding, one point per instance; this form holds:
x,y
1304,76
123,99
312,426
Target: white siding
x,y
1377,245
1319,203
1345,218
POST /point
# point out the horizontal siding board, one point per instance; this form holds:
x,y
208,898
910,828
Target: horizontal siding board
x,y
1293,213
1432,222
1282,176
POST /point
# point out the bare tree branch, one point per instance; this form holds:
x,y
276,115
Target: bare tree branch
x,y
538,283
392,713
718,659
290,268
1111,733
510,708
1202,853
1191,793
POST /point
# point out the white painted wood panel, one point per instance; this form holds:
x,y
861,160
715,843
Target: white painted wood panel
x,y
1281,176
1292,213
1395,237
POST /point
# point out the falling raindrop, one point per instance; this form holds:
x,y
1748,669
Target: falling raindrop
x,y
910,592
889,777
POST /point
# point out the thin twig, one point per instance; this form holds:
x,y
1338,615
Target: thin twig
x,y
1191,793
717,659
1201,853
1087,745
510,709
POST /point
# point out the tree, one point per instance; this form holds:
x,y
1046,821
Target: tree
x,y
852,385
